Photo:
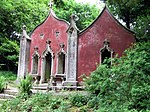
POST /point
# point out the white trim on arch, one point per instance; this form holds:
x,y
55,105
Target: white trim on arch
x,y
106,47
45,53
61,51
34,55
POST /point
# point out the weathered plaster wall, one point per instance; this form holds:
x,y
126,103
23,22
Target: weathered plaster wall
x,y
49,28
91,41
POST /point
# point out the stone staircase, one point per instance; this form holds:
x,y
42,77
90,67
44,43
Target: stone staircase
x,y
39,88
45,88
8,94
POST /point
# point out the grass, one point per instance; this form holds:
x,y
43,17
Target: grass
x,y
10,78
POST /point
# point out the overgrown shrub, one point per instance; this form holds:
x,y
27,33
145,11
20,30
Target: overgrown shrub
x,y
78,99
36,103
25,85
125,86
93,102
2,84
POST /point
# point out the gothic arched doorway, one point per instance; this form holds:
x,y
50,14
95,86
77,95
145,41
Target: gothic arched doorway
x,y
47,63
48,67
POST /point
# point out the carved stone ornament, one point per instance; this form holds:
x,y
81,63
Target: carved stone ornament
x,y
35,52
106,46
48,49
61,51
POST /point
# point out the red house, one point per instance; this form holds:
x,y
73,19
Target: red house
x,y
57,52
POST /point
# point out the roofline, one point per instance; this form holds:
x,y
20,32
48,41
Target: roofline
x,y
51,12
119,22
107,9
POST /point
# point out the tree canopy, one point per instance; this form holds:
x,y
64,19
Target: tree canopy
x,y
129,10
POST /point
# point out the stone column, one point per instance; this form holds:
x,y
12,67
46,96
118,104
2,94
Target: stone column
x,y
24,53
71,75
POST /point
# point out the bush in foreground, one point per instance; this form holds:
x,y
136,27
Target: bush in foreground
x,y
125,86
25,85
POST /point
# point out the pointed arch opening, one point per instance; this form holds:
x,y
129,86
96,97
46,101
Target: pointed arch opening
x,y
106,53
35,65
61,60
48,66
61,64
35,61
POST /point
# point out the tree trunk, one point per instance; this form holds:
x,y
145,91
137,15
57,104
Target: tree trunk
x,y
128,24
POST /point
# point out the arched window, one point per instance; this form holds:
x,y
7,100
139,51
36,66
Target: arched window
x,y
35,61
35,65
61,63
106,52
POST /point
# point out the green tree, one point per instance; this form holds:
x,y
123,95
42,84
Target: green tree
x,y
85,12
142,28
129,10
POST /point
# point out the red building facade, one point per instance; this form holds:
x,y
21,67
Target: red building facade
x,y
58,52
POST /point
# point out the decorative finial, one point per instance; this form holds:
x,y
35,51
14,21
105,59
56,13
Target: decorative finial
x,y
62,45
24,27
36,48
106,42
50,4
48,42
74,17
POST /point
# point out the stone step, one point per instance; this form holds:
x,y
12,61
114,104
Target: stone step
x,y
6,96
13,92
41,85
39,88
38,91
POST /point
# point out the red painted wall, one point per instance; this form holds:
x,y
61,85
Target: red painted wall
x,y
91,41
49,28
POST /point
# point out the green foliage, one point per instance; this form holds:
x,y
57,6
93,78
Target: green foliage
x,y
2,84
25,85
15,13
78,99
142,28
93,102
9,76
125,85
9,51
129,10
37,103
85,12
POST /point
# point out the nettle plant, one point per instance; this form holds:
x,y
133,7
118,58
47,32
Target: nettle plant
x,y
25,85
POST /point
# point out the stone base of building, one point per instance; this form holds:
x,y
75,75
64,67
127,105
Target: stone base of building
x,y
69,83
